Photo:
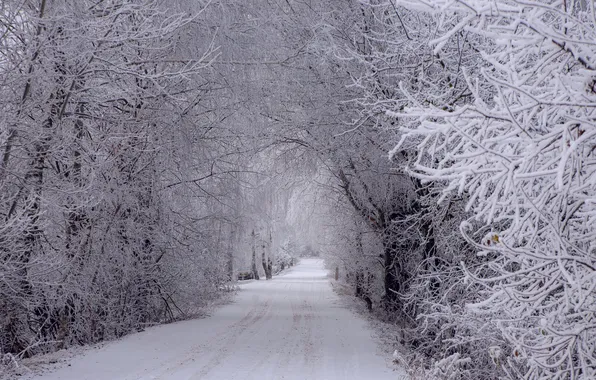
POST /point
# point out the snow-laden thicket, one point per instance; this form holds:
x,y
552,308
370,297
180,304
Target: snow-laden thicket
x,y
120,187
489,107
522,151
136,168
98,230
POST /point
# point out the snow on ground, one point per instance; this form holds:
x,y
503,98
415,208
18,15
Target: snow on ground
x,y
292,327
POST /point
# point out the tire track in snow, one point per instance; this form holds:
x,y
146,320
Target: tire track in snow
x,y
277,349
292,346
310,322
230,333
229,341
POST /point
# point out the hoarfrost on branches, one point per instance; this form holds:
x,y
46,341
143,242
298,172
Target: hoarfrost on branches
x,y
522,152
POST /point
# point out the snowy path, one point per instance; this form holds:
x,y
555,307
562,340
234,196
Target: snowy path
x,y
291,327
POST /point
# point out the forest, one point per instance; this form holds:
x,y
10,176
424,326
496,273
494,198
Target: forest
x,y
438,154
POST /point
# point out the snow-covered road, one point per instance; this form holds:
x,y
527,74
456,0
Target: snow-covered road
x,y
292,327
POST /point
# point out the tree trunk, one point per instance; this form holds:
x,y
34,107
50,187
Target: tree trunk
x,y
267,265
253,267
230,254
394,276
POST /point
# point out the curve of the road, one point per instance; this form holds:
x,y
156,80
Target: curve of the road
x,y
292,327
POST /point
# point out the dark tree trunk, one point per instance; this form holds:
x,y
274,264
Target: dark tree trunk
x,y
362,290
230,258
267,265
395,277
253,267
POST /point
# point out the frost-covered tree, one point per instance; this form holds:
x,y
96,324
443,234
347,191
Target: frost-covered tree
x,y
521,151
106,117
